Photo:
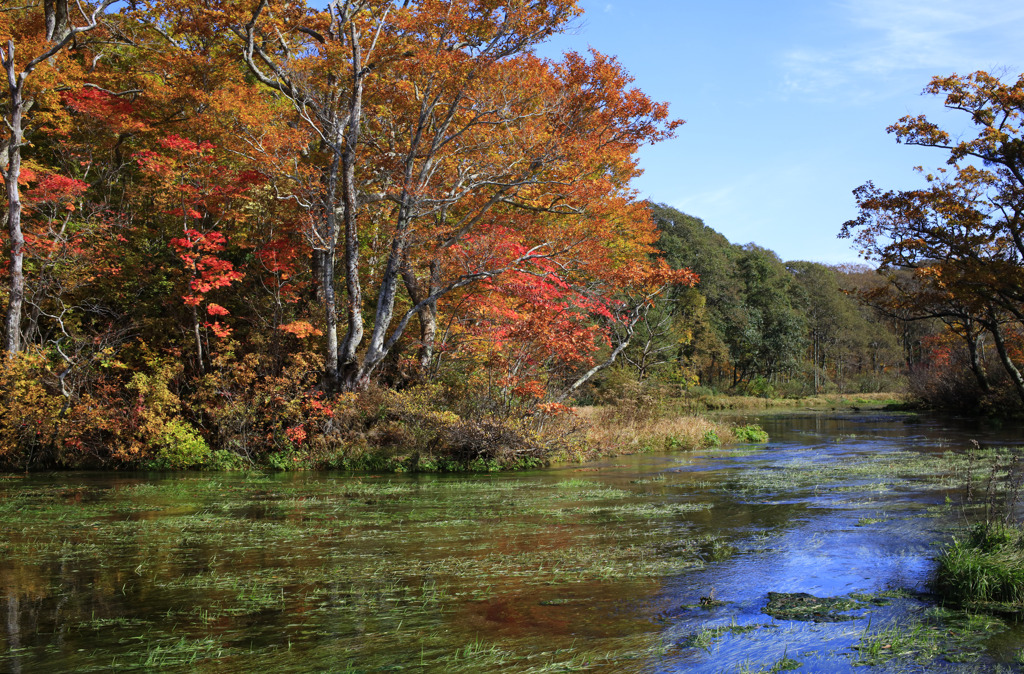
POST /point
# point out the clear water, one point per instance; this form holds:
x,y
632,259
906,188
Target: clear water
x,y
642,563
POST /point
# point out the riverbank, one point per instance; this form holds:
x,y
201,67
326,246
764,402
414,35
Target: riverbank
x,y
424,430
817,403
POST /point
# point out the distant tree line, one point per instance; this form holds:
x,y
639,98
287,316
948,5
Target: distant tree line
x,y
755,324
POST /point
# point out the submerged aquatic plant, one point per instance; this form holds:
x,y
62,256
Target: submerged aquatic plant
x,y
896,642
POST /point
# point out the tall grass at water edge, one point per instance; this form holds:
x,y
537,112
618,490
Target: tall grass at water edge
x,y
983,566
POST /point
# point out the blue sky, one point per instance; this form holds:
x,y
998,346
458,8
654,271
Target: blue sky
x,y
786,103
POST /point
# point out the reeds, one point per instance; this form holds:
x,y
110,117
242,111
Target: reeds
x,y
626,430
984,566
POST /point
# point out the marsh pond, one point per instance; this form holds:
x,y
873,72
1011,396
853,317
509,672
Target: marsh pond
x,y
811,552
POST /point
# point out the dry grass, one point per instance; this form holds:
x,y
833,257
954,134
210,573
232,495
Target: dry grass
x,y
851,401
615,430
639,422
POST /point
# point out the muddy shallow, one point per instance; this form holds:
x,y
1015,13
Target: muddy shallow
x,y
642,563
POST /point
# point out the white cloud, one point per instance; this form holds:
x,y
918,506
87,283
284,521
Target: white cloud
x,y
895,38
608,7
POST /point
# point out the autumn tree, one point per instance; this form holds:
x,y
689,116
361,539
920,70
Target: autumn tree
x,y
37,37
219,187
915,295
963,234
441,142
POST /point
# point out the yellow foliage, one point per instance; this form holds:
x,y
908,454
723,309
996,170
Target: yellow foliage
x,y
29,413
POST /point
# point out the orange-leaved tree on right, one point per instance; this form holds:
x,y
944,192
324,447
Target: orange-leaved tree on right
x,y
954,249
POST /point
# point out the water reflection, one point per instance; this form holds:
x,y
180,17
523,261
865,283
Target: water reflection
x,y
609,567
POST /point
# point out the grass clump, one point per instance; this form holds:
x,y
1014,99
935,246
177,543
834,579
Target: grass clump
x,y
942,634
986,566
783,664
705,637
914,642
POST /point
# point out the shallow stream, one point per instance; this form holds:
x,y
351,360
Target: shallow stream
x,y
648,563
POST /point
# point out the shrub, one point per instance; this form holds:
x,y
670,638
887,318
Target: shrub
x,y
255,409
29,413
761,387
710,439
178,446
109,419
490,443
750,433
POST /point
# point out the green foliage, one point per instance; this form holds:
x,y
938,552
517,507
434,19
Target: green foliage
x,y
761,387
751,433
847,347
221,459
674,443
768,337
156,434
710,439
178,447
764,328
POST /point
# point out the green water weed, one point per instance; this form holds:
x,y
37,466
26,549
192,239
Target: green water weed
x,y
915,642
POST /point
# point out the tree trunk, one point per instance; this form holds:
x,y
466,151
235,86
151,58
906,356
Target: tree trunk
x,y
56,13
16,289
199,340
376,350
817,376
1004,356
427,315
331,355
347,361
976,365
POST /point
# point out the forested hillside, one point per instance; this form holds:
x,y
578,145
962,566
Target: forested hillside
x,y
755,324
